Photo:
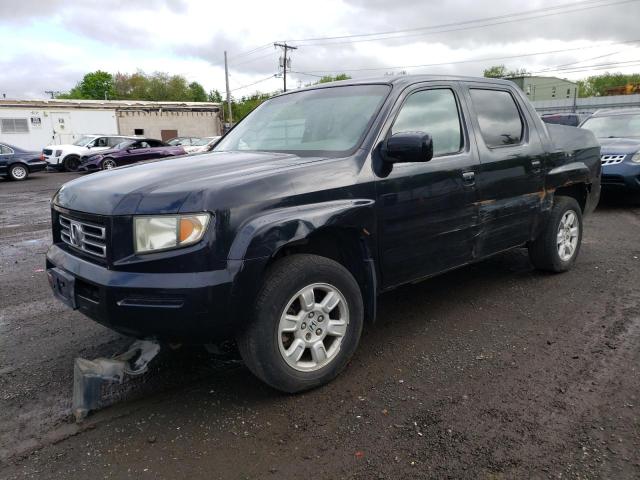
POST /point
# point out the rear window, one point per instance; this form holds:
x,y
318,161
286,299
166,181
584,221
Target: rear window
x,y
498,116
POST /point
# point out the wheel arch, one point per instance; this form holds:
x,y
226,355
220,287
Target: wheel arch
x,y
338,230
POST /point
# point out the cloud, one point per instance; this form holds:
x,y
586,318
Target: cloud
x,y
190,37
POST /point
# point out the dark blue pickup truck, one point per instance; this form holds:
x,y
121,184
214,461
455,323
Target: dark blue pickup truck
x,y
283,237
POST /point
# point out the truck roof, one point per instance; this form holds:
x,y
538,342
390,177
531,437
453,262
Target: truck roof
x,y
403,80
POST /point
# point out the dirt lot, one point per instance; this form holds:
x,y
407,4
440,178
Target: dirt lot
x,y
492,371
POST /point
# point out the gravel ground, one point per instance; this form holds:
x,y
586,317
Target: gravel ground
x,y
491,371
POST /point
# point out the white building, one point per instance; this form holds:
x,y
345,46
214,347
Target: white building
x,y
33,124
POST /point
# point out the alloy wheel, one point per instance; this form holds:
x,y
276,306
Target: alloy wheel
x,y
312,327
568,233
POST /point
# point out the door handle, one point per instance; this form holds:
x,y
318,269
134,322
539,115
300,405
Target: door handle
x,y
468,178
535,165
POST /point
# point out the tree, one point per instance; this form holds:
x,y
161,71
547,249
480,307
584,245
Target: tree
x,y
214,96
197,92
607,84
500,71
93,86
497,71
158,86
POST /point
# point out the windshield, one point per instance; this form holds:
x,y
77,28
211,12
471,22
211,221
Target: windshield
x,y
82,141
625,126
124,144
176,141
326,121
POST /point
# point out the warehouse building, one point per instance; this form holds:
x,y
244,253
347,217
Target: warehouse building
x,y
33,124
545,88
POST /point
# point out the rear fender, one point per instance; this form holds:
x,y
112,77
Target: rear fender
x,y
568,174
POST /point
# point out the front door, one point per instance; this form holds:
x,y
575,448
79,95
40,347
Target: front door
x,y
510,180
428,211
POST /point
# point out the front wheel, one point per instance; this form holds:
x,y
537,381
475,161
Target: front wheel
x,y
108,164
557,246
18,172
71,163
306,323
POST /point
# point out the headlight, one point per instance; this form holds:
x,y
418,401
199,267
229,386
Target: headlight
x,y
165,232
636,158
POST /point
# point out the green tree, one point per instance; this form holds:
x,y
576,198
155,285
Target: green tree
x,y
197,92
500,71
497,71
214,96
93,86
606,84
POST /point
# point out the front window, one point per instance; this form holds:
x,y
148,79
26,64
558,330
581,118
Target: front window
x,y
624,126
83,141
326,121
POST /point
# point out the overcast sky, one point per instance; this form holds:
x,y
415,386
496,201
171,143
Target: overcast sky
x,y
50,44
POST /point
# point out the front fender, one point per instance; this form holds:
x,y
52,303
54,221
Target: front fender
x,y
265,234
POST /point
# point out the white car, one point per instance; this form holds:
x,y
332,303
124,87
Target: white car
x,y
203,144
67,157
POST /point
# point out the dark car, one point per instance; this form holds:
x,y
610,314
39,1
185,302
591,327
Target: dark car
x,y
128,152
319,200
619,134
17,164
570,119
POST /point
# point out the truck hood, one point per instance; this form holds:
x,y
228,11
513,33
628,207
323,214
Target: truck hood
x,y
163,186
619,146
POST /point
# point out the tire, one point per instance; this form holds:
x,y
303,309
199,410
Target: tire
x,y
71,163
545,251
264,346
108,164
18,172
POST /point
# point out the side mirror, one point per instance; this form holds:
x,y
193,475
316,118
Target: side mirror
x,y
407,147
89,147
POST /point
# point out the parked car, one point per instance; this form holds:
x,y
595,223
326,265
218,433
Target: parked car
x,y
128,152
570,119
17,164
315,203
67,157
203,144
182,141
619,134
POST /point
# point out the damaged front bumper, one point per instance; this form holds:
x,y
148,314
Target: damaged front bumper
x,y
191,307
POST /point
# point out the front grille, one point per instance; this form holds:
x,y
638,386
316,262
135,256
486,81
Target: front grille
x,y
47,151
86,237
611,159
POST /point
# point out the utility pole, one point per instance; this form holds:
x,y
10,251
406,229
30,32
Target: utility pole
x,y
285,47
53,93
226,79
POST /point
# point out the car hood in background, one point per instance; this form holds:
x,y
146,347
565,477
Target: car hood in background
x,y
164,186
626,146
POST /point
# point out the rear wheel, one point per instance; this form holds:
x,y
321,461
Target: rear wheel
x,y
108,164
557,246
306,323
18,172
71,163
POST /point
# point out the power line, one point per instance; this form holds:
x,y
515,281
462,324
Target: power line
x,y
251,60
357,38
254,83
252,51
470,60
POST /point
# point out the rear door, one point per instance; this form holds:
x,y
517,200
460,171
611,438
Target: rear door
x,y
510,179
428,210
